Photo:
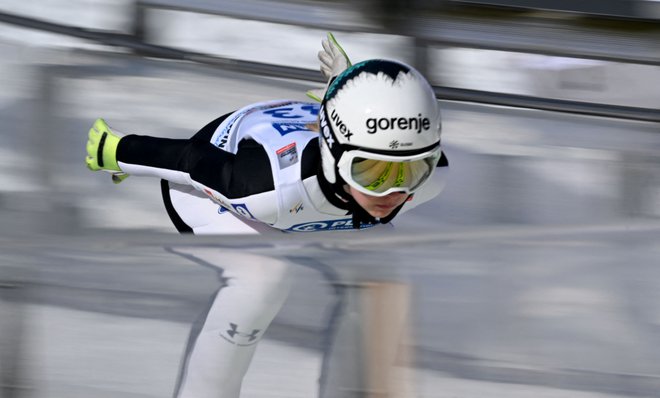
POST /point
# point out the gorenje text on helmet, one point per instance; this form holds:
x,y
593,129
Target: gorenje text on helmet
x,y
325,129
417,124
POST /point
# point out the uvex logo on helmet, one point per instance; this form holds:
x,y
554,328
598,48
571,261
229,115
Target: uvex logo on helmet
x,y
416,124
325,130
341,126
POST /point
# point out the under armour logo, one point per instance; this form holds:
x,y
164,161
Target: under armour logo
x,y
234,332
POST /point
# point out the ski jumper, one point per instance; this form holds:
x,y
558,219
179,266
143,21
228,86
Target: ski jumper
x,y
259,164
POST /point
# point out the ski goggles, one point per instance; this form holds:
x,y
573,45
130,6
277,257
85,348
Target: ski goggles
x,y
379,175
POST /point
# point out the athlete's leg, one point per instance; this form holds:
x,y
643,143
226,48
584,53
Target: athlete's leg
x,y
253,289
220,350
368,343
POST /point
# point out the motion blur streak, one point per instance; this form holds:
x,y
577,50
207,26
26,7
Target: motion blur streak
x,y
533,274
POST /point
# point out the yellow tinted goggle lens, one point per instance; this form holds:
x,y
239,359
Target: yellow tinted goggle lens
x,y
380,175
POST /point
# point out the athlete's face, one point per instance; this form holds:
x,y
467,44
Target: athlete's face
x,y
378,206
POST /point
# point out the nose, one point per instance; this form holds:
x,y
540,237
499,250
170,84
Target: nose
x,y
392,198
395,194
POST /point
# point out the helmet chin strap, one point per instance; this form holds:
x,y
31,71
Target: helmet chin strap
x,y
334,192
336,195
361,217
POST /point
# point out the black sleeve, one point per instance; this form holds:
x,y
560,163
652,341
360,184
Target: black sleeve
x,y
246,173
234,175
163,153
310,161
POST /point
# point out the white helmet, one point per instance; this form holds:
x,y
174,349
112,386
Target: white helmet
x,y
380,129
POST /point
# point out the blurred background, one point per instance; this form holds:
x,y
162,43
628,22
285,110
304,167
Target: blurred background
x,y
533,274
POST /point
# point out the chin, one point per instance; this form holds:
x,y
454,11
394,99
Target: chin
x,y
380,213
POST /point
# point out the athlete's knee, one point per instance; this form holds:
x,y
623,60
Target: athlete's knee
x,y
257,272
